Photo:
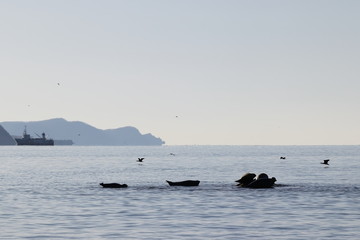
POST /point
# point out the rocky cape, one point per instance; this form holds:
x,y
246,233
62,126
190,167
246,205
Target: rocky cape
x,y
82,133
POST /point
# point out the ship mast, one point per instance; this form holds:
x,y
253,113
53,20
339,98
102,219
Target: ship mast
x,y
25,135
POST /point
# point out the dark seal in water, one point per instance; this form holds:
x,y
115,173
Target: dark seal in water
x,y
187,183
113,185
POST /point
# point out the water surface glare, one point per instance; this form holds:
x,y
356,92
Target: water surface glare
x,y
54,193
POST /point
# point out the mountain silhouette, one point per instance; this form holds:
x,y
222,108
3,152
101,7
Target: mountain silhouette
x,y
82,133
5,138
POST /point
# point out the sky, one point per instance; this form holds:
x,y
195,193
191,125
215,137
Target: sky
x,y
192,72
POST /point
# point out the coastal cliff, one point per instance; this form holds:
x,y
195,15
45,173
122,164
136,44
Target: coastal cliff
x,y
5,137
84,134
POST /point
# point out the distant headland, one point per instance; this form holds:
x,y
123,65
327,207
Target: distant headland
x,y
79,133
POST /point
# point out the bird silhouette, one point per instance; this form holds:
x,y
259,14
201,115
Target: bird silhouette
x,y
326,162
140,159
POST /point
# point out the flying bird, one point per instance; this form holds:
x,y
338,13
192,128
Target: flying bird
x,y
326,162
140,159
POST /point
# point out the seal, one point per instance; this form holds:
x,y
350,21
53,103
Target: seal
x,y
246,179
187,183
113,185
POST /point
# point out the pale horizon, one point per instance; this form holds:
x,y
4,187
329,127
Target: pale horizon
x,y
188,72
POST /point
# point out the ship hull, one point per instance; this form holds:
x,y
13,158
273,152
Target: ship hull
x,y
34,142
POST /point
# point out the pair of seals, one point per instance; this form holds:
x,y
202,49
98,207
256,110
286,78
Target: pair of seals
x,y
113,185
262,181
187,183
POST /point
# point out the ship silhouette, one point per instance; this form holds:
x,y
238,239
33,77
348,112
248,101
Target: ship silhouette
x,y
28,140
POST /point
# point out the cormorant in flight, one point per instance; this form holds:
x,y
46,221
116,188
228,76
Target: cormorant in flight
x,y
326,162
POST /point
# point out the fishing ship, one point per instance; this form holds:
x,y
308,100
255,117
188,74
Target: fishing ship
x,y
28,140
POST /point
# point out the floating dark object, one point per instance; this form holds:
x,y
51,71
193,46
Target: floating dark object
x,y
113,185
326,162
140,159
262,181
246,179
282,157
187,183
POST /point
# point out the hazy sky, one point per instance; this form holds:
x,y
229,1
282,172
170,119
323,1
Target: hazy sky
x,y
188,71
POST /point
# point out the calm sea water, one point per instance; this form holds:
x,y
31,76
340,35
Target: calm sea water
x,y
54,193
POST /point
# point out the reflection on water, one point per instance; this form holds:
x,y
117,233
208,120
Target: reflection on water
x,y
49,193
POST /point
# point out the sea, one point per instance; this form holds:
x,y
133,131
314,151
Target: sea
x,y
54,192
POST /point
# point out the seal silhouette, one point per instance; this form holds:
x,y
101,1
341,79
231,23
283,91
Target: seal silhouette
x,y
113,185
